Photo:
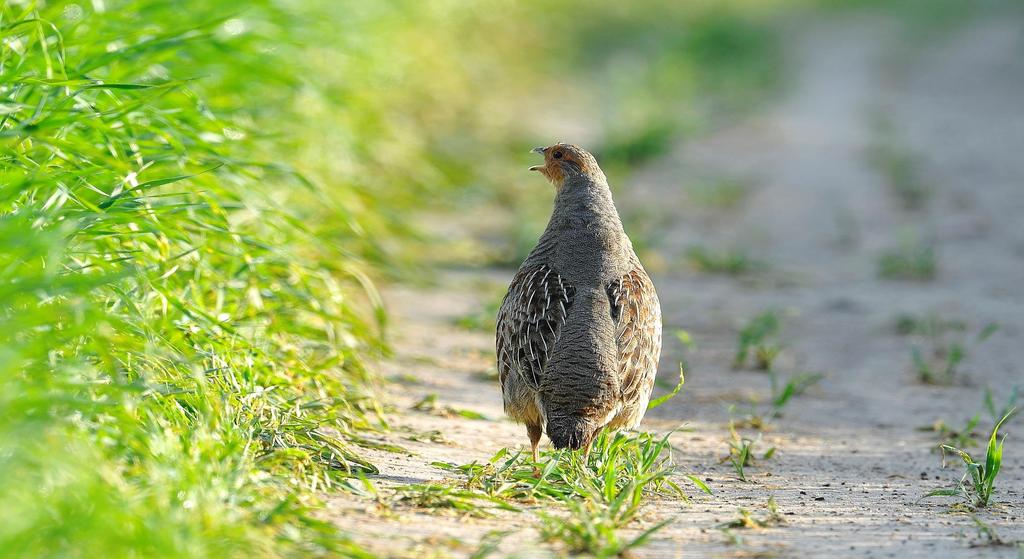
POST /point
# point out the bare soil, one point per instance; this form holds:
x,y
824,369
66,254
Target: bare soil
x,y
851,464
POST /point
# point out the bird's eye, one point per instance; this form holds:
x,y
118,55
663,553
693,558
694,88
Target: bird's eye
x,y
558,155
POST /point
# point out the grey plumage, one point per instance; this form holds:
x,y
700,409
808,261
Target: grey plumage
x,y
579,332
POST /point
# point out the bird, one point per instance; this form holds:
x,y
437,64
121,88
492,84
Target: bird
x,y
578,334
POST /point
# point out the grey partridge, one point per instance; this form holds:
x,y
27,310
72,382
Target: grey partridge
x,y
579,331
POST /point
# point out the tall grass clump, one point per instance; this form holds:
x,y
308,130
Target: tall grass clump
x,y
977,485
179,360
597,496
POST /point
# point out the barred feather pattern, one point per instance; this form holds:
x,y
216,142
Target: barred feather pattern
x,y
529,322
636,312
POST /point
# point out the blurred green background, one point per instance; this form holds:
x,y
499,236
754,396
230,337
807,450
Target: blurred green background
x,y
198,198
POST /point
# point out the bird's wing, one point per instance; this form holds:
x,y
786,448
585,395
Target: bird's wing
x,y
637,315
529,322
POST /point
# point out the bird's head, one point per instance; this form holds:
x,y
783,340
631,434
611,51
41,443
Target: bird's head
x,y
565,161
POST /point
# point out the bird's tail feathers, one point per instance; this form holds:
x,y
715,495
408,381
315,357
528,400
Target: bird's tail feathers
x,y
572,432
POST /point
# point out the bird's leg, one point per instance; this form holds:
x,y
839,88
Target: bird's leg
x,y
586,448
534,432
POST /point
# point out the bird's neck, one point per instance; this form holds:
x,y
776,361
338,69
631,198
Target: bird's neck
x,y
584,240
585,202
584,226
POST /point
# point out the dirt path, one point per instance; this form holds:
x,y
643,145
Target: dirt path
x,y
850,465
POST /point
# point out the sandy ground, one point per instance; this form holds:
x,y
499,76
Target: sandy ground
x,y
851,465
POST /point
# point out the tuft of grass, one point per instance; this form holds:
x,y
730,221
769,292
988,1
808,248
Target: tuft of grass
x,y
758,336
899,167
593,528
794,386
432,436
746,519
963,437
978,482
1008,410
967,436
781,394
430,404
722,194
612,496
615,461
939,363
741,451
687,345
603,493
987,533
910,262
930,325
435,496
731,262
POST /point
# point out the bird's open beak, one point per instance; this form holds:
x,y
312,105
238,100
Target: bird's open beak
x,y
539,150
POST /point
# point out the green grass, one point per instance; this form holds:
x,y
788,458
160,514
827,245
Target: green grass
x,y
741,451
899,167
593,528
760,417
730,262
1007,410
723,194
746,519
988,537
660,400
608,496
796,385
937,358
978,482
430,404
912,261
930,324
940,345
595,497
962,437
616,461
462,501
759,337
967,436
195,201
182,358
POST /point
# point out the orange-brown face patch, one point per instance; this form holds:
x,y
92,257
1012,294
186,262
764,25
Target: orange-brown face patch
x,y
558,157
553,172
